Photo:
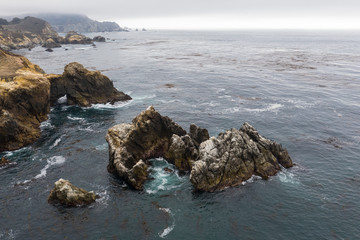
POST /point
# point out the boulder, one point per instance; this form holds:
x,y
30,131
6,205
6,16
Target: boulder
x,y
131,145
83,87
73,37
24,101
99,39
234,156
50,43
66,194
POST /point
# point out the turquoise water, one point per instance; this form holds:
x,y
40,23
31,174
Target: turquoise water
x,y
298,88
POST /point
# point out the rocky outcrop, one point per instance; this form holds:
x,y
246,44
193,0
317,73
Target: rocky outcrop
x,y
234,156
215,163
24,101
99,39
83,87
130,145
76,38
26,33
66,194
50,43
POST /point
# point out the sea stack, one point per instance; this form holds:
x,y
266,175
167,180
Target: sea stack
x,y
215,163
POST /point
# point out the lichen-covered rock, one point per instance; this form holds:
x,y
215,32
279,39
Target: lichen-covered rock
x,y
234,156
66,194
24,101
83,87
73,37
130,145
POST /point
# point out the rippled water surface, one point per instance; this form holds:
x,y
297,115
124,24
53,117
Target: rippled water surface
x,y
301,89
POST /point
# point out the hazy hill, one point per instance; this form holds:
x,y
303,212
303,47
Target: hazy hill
x,y
78,23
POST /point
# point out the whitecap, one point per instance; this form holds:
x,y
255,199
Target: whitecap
x,y
110,106
270,108
57,141
167,230
76,118
55,160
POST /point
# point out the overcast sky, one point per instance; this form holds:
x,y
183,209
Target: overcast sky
x,y
206,14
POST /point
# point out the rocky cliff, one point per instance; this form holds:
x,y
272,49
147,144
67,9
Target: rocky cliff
x,y
83,87
25,96
24,101
215,163
26,33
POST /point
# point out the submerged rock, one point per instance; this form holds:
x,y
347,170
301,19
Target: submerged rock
x,y
66,194
234,156
24,101
83,87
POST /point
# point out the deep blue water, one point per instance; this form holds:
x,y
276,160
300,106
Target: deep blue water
x,y
301,89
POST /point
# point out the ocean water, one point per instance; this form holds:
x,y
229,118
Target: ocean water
x,y
301,89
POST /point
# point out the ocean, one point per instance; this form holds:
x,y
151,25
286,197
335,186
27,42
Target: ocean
x,y
299,88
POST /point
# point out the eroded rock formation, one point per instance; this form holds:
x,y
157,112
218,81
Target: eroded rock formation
x,y
234,156
66,194
24,101
83,87
215,163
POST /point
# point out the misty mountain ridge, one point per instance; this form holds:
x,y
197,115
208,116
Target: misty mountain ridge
x,y
76,22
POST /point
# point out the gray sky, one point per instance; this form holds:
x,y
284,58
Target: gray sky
x,y
203,13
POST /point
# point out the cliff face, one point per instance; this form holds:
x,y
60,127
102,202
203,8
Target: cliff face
x,y
78,23
24,101
26,33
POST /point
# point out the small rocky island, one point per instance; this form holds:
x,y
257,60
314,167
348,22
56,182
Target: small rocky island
x,y
26,94
215,163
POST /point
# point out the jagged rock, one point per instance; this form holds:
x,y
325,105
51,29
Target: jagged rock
x,y
50,43
49,50
76,38
24,101
4,161
99,39
66,194
26,33
234,156
130,145
83,87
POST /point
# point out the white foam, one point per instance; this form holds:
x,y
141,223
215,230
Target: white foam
x,y
101,147
287,177
76,118
62,99
270,108
55,160
57,141
11,234
143,97
251,180
46,124
110,106
167,230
